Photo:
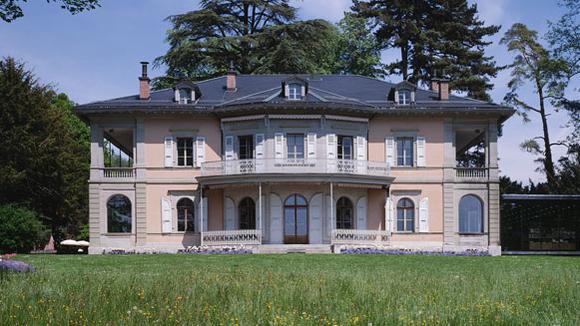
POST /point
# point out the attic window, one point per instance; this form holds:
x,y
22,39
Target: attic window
x,y
294,91
404,97
184,95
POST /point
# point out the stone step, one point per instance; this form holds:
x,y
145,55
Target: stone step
x,y
293,248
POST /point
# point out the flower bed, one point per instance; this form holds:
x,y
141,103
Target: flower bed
x,y
7,265
390,251
215,250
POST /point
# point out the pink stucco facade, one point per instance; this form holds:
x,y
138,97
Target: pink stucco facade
x,y
273,178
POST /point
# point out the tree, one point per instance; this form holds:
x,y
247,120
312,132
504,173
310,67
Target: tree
x,y
533,64
434,38
44,151
564,39
20,230
358,51
11,10
259,36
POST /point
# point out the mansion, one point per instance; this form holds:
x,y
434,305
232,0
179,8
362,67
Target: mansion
x,y
281,163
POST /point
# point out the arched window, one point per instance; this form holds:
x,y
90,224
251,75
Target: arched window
x,y
119,217
344,214
405,215
247,214
185,215
295,219
470,214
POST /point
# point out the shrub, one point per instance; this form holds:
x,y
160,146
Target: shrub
x,y
20,229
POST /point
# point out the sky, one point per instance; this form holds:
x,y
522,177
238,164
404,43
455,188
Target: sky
x,y
95,55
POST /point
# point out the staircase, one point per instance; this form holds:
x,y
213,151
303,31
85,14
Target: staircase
x,y
294,248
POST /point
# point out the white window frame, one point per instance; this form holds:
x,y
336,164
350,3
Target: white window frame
x,y
175,200
294,91
413,151
193,152
405,94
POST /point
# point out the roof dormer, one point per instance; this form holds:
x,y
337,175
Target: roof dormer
x,y
294,88
403,93
186,92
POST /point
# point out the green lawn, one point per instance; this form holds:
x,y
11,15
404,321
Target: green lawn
x,y
293,289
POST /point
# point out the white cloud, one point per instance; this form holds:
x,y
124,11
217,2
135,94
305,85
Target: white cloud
x,y
331,10
491,11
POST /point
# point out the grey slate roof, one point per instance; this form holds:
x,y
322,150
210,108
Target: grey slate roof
x,y
333,91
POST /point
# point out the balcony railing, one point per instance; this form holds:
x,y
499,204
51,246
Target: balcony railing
x,y
289,166
350,236
231,237
118,173
472,174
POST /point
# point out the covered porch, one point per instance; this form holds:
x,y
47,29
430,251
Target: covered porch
x,y
293,210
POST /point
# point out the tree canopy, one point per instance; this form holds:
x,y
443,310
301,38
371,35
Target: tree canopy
x,y
435,38
258,36
44,150
11,9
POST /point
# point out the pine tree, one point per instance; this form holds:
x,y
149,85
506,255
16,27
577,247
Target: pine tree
x,y
434,38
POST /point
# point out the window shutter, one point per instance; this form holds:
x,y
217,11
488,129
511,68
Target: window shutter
x,y
331,146
331,152
205,213
311,145
361,149
424,215
168,151
259,152
361,214
166,218
389,215
421,159
199,151
303,90
230,214
229,148
390,151
286,90
259,146
279,145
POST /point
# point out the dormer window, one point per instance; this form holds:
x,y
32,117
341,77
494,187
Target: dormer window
x,y
294,91
185,95
186,92
404,97
294,88
403,93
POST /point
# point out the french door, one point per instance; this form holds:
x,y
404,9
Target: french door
x,y
295,219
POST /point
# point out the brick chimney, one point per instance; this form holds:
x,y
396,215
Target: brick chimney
x,y
435,85
443,90
144,90
441,86
231,78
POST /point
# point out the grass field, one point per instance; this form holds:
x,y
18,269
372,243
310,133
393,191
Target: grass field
x,y
293,289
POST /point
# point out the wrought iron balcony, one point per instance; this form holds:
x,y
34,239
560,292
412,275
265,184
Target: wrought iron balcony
x,y
294,166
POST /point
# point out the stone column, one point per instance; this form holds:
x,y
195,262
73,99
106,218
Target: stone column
x,y
94,218
140,186
449,224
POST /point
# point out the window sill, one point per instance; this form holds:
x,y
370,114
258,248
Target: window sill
x,y
404,232
404,167
117,234
472,233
